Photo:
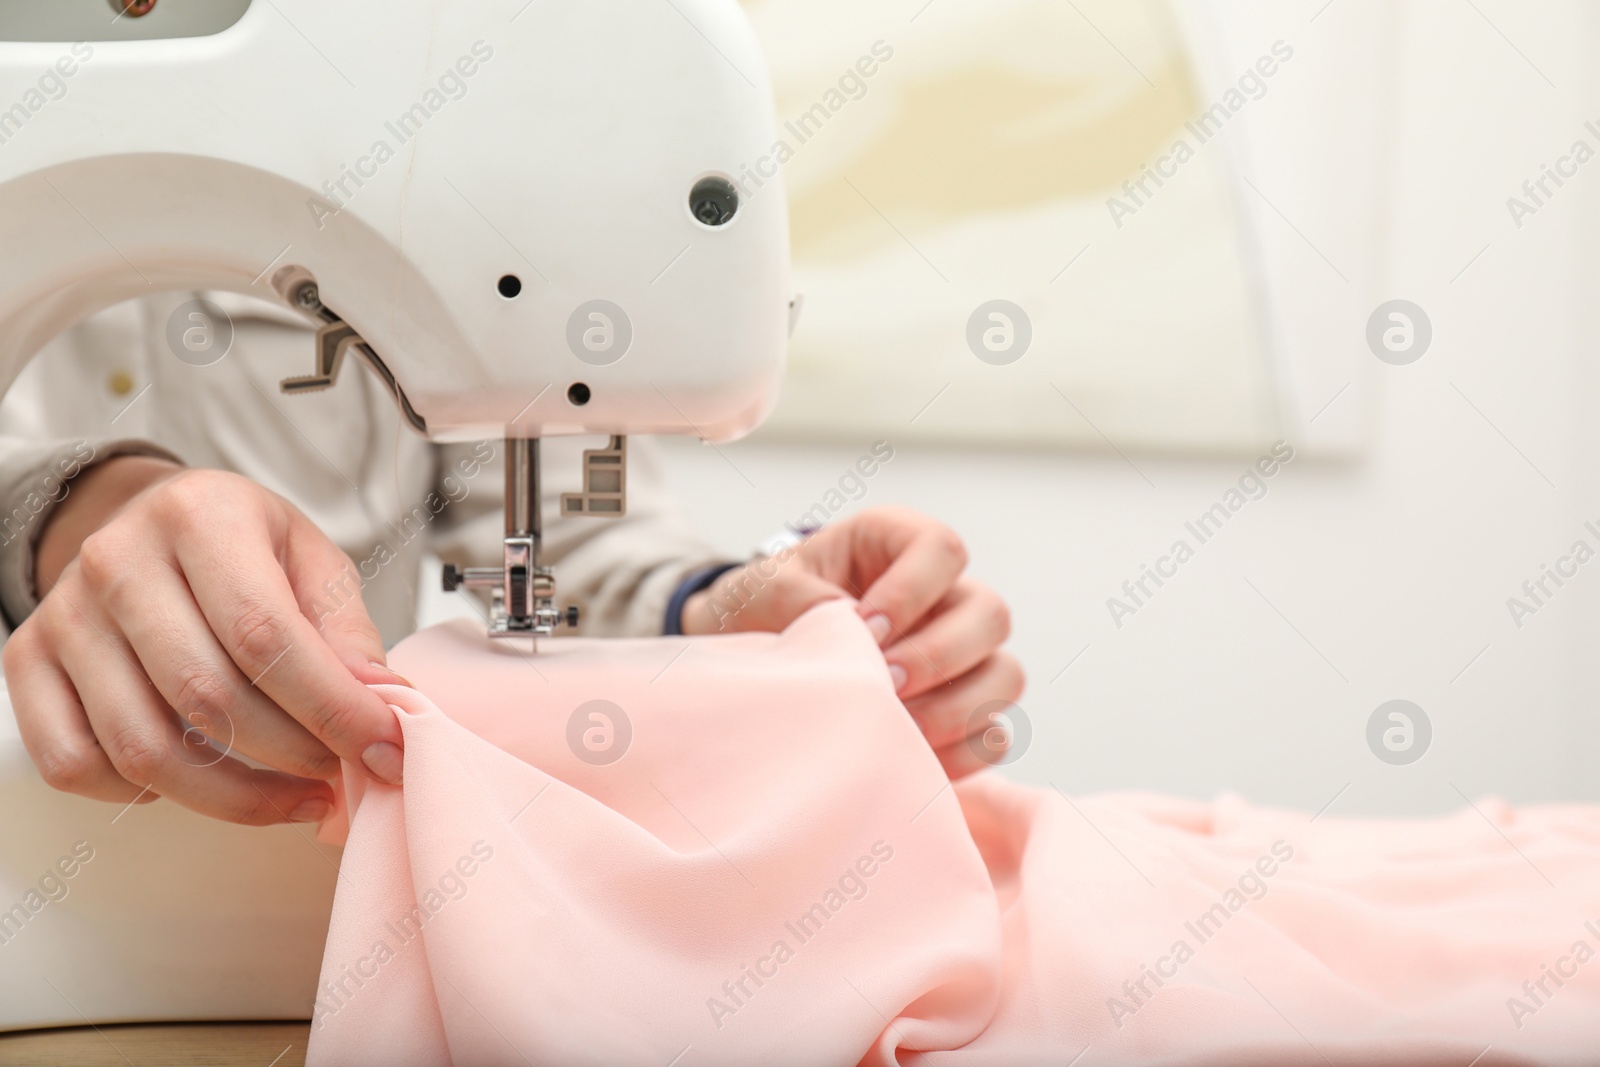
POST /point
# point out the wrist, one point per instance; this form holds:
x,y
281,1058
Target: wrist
x,y
689,611
93,497
696,614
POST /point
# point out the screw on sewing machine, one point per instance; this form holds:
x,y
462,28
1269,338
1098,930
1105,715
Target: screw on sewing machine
x,y
713,201
135,8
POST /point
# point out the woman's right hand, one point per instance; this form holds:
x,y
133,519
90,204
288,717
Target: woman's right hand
x,y
179,603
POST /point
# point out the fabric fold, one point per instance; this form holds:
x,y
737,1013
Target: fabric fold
x,y
739,849
689,846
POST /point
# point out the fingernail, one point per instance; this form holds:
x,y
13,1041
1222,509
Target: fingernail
x,y
878,627
897,675
385,760
313,810
385,668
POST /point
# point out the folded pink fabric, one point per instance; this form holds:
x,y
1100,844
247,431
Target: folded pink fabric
x,y
738,849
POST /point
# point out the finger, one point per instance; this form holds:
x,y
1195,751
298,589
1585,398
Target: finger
x,y
961,758
177,651
248,602
55,728
142,738
327,589
963,630
924,559
950,713
764,595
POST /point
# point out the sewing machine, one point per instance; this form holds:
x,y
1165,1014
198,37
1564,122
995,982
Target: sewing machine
x,y
522,216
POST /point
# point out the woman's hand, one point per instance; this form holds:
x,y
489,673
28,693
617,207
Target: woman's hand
x,y
181,605
941,632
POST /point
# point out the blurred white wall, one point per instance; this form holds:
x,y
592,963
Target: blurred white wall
x,y
1391,572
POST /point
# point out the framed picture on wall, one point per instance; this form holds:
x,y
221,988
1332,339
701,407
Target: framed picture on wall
x,y
1031,224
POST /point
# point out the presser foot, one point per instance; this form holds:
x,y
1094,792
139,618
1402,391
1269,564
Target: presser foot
x,y
541,620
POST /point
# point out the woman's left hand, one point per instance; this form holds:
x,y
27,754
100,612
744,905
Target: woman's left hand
x,y
940,631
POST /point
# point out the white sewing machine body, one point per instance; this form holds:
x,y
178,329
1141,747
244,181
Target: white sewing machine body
x,y
166,915
416,154
454,184
522,217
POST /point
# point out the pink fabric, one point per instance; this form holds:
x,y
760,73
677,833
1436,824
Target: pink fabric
x,y
776,871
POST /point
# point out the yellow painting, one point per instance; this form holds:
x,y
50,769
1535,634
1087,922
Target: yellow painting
x,y
1014,223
